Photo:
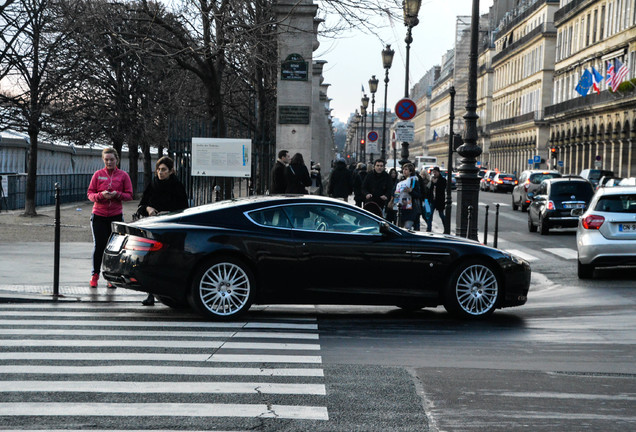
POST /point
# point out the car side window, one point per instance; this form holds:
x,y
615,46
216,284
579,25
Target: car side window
x,y
274,217
320,217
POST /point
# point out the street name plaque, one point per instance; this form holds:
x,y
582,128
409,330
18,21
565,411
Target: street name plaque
x,y
294,114
294,68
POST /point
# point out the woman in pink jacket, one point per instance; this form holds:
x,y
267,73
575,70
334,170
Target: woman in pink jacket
x,y
109,187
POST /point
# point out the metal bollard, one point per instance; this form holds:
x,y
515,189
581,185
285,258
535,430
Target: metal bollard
x,y
470,216
56,252
496,224
486,227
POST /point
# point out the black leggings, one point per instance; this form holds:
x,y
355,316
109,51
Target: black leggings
x,y
100,225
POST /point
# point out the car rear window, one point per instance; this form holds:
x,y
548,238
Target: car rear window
x,y
537,178
617,203
597,174
564,190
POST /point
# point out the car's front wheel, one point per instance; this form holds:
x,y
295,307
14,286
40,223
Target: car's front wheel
x,y
473,291
544,229
584,271
222,289
514,204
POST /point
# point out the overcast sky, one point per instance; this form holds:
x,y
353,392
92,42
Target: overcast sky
x,y
355,56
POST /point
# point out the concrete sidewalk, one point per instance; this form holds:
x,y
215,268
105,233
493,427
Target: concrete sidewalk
x,y
27,256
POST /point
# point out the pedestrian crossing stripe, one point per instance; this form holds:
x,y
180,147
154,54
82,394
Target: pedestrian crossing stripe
x,y
565,253
522,255
152,333
160,370
163,387
162,409
111,356
140,343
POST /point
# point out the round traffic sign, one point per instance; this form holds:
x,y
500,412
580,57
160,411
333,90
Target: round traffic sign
x,y
405,109
373,136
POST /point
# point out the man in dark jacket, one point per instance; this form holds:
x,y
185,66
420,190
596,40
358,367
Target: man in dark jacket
x,y
340,181
377,184
439,193
279,183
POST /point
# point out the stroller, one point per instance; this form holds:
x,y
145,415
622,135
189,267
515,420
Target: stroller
x,y
373,207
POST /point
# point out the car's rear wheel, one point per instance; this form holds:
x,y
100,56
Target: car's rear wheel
x,y
584,271
515,207
531,227
543,226
222,289
473,291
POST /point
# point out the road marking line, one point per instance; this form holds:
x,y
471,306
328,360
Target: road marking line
x,y
163,324
140,343
163,387
522,255
110,356
197,334
162,409
160,370
566,253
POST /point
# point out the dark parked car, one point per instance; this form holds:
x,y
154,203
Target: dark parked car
x,y
221,258
529,182
503,182
552,206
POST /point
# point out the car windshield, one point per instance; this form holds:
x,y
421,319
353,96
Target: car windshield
x,y
565,190
617,203
539,177
319,217
597,174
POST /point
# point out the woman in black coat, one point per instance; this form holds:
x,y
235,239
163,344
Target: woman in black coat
x,y
297,176
165,193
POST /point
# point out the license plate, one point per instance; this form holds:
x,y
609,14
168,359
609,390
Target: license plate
x,y
627,227
573,206
115,242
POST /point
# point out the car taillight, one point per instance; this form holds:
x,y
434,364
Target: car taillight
x,y
526,185
500,181
142,244
516,182
550,205
593,222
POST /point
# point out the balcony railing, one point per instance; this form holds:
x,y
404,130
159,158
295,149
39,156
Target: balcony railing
x,y
574,4
541,29
523,118
587,101
522,16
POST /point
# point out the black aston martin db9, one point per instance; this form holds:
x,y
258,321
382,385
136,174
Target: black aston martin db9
x,y
223,257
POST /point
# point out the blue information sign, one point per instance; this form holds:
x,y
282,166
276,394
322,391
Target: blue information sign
x,y
529,161
537,159
560,163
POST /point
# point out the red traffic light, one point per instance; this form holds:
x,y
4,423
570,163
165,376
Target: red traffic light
x,y
553,150
362,141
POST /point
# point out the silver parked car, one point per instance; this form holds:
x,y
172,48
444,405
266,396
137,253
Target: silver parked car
x,y
606,233
529,182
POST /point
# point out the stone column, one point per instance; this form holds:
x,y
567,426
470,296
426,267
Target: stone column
x,y
296,43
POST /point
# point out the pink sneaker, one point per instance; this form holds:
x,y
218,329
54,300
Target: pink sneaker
x,y
94,279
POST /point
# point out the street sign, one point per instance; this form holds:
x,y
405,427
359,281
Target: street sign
x,y
372,147
405,131
529,161
560,163
537,159
405,109
373,136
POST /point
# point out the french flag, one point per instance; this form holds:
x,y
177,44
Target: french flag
x,y
596,80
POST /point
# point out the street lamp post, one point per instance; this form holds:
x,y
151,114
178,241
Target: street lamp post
x,y
387,61
411,10
468,181
373,87
363,110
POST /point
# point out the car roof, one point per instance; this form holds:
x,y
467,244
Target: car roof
x,y
546,171
567,179
616,190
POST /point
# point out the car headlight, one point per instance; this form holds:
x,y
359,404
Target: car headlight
x,y
515,259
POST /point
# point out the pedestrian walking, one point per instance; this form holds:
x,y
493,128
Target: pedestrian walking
x,y
391,214
279,183
165,193
297,175
377,185
340,181
358,179
316,179
439,193
407,197
427,199
109,187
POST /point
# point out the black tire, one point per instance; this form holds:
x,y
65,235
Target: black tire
x,y
222,289
531,227
473,291
172,303
524,208
543,226
515,207
584,271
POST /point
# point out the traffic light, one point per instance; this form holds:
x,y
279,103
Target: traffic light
x,y
553,151
362,142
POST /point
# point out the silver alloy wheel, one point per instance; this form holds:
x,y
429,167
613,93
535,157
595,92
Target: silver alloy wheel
x,y
477,290
224,289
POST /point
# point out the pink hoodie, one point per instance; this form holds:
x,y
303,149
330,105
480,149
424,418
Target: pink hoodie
x,y
117,181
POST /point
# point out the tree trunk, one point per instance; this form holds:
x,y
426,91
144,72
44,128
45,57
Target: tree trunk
x,y
133,166
148,171
32,174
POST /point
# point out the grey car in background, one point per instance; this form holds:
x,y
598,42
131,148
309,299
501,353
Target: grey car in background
x,y
529,181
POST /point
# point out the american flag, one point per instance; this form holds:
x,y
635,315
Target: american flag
x,y
621,72
610,74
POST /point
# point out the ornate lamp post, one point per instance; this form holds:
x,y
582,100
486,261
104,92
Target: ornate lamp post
x,y
387,61
363,111
373,87
411,9
468,181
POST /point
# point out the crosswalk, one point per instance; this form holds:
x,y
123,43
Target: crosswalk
x,y
120,361
564,253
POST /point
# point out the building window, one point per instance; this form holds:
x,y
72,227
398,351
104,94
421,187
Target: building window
x,y
587,31
595,25
602,35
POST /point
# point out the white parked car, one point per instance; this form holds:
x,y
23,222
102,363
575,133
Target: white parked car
x,y
606,233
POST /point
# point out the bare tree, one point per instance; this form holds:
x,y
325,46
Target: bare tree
x,y
34,70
